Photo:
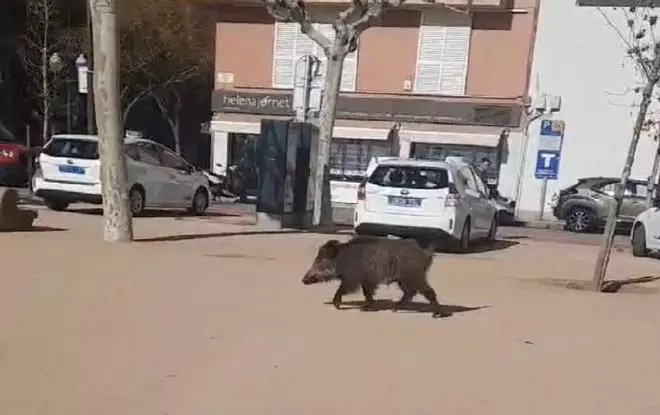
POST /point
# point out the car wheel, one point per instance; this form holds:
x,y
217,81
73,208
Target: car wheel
x,y
200,202
464,243
58,205
492,232
639,241
136,200
581,220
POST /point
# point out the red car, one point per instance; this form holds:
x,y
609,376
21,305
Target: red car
x,y
13,160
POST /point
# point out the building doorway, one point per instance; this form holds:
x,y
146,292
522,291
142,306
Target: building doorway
x,y
244,152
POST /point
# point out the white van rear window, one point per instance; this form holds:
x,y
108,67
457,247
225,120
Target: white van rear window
x,y
410,177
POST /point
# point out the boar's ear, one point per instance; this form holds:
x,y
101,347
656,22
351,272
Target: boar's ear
x,y
330,249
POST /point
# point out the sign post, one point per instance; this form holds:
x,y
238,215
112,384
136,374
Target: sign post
x,y
548,156
306,87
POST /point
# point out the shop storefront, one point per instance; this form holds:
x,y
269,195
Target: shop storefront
x,y
429,128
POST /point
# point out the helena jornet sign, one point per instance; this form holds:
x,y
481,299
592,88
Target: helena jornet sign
x,y
424,109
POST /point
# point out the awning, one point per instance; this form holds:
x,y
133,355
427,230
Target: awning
x,y
251,124
412,133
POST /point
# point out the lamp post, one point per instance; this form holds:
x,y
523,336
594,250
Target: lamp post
x,y
57,65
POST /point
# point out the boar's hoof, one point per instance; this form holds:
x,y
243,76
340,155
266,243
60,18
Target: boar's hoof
x,y
337,304
368,306
441,314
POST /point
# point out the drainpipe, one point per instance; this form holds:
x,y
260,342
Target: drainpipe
x,y
530,117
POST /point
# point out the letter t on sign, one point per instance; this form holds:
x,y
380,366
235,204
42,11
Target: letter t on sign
x,y
547,159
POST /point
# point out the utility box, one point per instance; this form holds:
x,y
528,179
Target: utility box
x,y
286,166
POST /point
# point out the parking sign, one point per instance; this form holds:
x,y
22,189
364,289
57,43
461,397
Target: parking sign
x,y
549,150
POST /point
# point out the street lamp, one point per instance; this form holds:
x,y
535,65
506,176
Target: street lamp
x,y
84,77
57,65
83,74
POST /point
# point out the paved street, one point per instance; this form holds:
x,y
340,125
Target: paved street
x,y
238,213
205,318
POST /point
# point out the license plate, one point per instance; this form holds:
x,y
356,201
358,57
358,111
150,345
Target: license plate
x,y
404,201
72,169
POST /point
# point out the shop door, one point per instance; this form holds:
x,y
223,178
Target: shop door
x,y
244,152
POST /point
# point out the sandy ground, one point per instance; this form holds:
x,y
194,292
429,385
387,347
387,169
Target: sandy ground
x,y
216,321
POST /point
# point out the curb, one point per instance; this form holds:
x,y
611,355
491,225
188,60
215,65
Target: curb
x,y
551,225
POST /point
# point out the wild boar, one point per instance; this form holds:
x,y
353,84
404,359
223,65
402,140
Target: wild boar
x,y
367,262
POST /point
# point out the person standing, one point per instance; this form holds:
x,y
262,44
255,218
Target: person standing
x,y
482,169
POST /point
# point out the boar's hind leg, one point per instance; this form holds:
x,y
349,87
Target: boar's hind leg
x,y
428,292
368,289
408,294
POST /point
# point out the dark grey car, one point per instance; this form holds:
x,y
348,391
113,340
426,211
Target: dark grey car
x,y
585,204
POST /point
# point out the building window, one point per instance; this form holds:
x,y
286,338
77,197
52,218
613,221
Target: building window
x,y
349,158
290,44
442,53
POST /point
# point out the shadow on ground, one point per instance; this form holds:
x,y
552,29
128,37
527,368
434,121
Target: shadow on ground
x,y
189,237
478,247
413,307
36,229
481,247
156,213
622,286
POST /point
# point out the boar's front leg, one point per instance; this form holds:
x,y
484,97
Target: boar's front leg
x,y
343,289
429,293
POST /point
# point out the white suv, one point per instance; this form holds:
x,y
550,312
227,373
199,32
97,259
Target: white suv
x,y
69,172
424,199
645,235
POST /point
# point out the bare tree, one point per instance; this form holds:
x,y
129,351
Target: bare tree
x,y
643,50
348,26
170,107
165,48
44,35
118,225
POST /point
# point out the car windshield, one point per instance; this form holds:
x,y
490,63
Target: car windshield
x,y
410,177
72,148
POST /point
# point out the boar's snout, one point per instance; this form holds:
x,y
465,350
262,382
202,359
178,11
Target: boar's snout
x,y
323,268
317,275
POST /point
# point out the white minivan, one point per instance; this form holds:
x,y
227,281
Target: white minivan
x,y
424,199
68,172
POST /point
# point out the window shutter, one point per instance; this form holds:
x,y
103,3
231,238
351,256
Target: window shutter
x,y
444,41
349,73
454,65
283,54
290,44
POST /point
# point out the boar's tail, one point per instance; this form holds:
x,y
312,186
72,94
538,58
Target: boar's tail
x,y
430,250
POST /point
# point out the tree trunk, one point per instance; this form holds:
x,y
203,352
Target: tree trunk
x,y
118,225
653,178
603,258
322,202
